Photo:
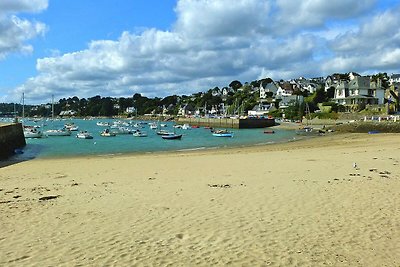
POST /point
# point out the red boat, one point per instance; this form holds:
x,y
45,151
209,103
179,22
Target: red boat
x,y
269,131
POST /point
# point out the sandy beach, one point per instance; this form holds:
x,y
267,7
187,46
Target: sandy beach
x,y
328,201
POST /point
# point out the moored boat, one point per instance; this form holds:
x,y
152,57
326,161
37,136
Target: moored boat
x,y
32,132
171,136
58,132
222,133
84,135
164,132
71,127
138,133
107,133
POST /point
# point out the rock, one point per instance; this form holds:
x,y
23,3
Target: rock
x,y
48,197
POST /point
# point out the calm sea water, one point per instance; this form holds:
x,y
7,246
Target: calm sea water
x,y
195,138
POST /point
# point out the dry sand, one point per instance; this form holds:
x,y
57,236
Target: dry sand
x,y
295,204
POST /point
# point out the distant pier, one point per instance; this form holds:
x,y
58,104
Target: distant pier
x,y
11,138
229,122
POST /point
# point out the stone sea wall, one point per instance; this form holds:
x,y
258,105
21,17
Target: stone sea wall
x,y
228,122
11,138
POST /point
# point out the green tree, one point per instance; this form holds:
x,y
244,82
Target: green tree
x,y
235,85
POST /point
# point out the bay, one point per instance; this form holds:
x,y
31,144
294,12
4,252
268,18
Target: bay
x,y
192,139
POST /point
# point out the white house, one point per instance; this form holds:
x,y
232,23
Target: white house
x,y
261,109
186,110
130,110
270,88
394,78
359,92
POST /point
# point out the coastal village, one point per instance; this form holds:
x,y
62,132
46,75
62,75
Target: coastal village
x,y
346,93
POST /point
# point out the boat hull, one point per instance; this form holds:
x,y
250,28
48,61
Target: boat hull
x,y
171,137
57,133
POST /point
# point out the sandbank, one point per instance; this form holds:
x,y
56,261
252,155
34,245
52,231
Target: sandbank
x,y
332,200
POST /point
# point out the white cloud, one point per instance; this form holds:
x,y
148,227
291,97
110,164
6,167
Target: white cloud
x,y
315,13
214,42
15,31
374,45
16,6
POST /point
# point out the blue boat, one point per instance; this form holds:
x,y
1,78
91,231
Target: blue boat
x,y
222,133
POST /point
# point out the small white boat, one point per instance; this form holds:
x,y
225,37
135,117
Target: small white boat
x,y
222,133
71,127
138,133
103,124
84,135
58,132
122,130
107,133
153,125
186,127
32,132
164,132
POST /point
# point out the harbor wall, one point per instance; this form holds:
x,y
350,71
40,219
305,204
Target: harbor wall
x,y
11,138
228,122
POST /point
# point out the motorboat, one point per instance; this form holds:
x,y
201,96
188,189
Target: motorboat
x,y
138,133
32,132
103,124
58,132
164,132
84,135
153,125
107,133
222,133
71,127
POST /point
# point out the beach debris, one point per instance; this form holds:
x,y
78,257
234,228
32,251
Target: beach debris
x,y
180,236
48,197
384,174
219,185
74,184
373,169
152,178
354,165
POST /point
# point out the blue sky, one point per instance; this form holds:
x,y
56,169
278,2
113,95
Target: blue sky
x,y
157,48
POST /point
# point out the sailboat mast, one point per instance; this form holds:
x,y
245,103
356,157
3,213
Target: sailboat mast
x,y
52,107
23,105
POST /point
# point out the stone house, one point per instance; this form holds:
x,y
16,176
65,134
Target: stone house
x,y
359,92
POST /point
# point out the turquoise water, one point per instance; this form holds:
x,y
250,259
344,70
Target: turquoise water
x,y
195,138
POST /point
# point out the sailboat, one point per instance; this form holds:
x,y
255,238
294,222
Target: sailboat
x,y
307,129
56,132
29,131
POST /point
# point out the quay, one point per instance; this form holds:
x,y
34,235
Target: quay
x,y
11,138
229,122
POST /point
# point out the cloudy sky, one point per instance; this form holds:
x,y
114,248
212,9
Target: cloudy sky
x,y
162,47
